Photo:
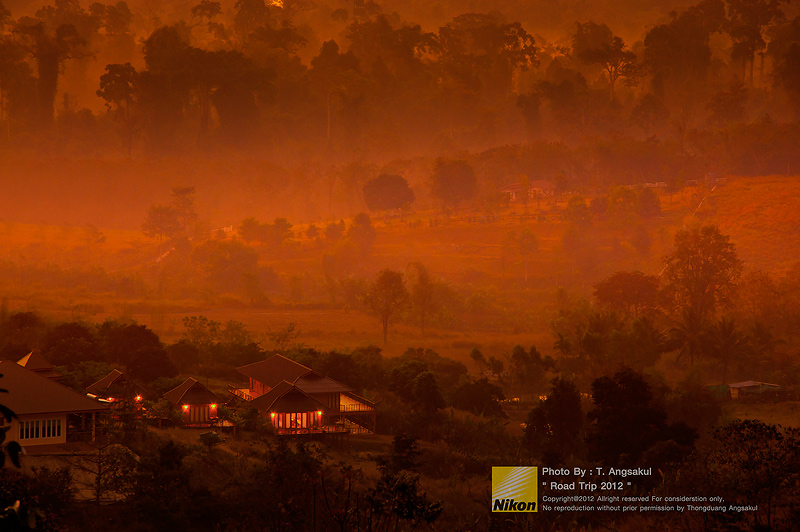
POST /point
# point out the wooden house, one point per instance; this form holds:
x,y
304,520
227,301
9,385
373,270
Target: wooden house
x,y
294,397
47,412
117,387
196,402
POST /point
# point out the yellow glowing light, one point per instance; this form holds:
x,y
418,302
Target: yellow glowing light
x,y
138,397
319,413
186,407
272,414
213,406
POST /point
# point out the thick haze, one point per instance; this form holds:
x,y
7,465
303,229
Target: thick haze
x,y
244,100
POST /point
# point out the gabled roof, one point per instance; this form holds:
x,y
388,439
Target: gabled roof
x,y
191,392
34,361
286,397
102,385
32,393
115,382
275,369
316,383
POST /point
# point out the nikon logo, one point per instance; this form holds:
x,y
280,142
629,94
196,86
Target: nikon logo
x,y
514,489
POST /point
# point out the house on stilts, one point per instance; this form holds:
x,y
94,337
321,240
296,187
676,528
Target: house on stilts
x,y
298,400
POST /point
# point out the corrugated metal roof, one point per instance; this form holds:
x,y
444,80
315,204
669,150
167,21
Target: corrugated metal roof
x,y
32,393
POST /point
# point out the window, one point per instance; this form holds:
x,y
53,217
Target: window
x,y
39,428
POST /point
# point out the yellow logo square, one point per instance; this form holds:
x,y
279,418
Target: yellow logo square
x,y
515,489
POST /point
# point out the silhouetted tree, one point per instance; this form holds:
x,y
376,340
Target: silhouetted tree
x,y
555,423
630,292
162,221
423,301
362,233
702,270
728,345
51,41
387,191
595,44
745,25
118,89
479,397
627,421
426,395
453,182
68,343
386,297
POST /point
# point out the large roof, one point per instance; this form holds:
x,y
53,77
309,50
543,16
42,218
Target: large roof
x,y
32,393
286,397
278,368
191,392
275,369
316,383
34,361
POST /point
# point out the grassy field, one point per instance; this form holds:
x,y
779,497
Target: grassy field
x,y
786,413
465,250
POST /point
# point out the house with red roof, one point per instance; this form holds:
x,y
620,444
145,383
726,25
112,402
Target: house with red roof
x,y
197,403
47,412
295,398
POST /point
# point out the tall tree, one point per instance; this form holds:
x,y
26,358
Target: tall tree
x,y
784,48
162,221
689,335
702,270
745,25
386,297
483,52
118,87
595,44
728,345
49,47
423,301
678,53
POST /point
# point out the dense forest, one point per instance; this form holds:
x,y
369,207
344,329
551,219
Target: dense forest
x,y
362,82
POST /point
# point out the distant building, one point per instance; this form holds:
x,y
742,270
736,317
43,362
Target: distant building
x,y
197,403
125,397
47,412
295,398
752,388
536,189
116,387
